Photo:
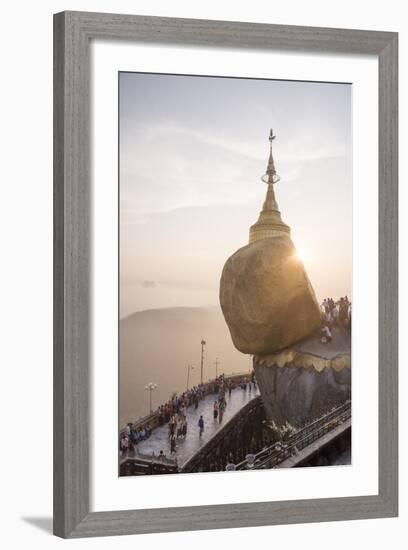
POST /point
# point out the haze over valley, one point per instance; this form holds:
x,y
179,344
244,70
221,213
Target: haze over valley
x,y
157,346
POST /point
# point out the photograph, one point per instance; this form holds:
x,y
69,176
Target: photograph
x,y
235,273
201,275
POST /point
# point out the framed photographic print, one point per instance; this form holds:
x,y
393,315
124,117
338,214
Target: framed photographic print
x,y
225,274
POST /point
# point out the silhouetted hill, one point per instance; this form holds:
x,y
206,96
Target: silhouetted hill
x,y
157,345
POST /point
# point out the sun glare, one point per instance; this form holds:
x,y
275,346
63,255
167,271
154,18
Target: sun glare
x,y
304,254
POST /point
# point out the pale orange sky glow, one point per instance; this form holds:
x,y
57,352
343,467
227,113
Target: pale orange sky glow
x,y
192,152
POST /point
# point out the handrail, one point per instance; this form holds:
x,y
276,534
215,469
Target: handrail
x,y
148,458
281,450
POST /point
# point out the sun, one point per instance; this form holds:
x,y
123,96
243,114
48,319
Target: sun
x,y
304,254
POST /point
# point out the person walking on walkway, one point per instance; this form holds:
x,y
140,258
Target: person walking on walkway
x,y
173,444
221,410
215,410
201,425
172,425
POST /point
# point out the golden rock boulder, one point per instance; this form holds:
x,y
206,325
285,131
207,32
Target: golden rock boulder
x,y
266,297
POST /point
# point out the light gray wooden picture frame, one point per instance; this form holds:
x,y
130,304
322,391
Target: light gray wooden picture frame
x,y
72,34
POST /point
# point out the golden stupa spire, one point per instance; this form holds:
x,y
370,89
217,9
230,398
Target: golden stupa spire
x,y
269,223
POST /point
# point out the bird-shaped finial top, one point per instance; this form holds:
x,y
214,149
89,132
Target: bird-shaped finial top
x,y
271,176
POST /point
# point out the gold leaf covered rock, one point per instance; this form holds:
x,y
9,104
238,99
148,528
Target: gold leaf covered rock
x,y
266,297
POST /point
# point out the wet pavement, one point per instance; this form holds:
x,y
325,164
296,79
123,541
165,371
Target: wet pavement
x,y
186,448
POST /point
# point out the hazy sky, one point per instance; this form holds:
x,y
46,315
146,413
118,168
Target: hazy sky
x,y
192,151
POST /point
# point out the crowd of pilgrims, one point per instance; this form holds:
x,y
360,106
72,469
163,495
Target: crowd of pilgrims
x,y
131,436
173,413
335,314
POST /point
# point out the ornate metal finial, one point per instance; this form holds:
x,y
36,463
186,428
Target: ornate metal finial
x,y
271,176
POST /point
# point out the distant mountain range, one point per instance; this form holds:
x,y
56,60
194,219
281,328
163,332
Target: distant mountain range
x,y
157,345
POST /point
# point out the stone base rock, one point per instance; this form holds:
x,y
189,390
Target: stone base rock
x,y
298,385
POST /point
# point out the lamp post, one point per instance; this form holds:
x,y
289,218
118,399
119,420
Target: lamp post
x,y
216,363
203,343
150,387
189,367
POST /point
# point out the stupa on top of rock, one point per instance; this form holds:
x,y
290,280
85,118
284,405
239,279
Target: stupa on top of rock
x,y
269,223
272,313
265,293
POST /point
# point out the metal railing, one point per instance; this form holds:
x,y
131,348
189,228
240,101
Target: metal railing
x,y
281,450
139,465
135,455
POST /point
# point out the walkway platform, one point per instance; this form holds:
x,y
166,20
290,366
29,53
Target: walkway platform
x,y
188,447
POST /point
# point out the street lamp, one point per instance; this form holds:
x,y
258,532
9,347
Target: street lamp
x,y
216,363
189,367
203,343
150,387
